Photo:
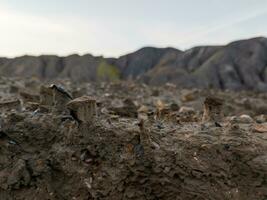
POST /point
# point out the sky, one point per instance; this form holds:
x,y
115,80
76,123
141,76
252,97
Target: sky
x,y
115,27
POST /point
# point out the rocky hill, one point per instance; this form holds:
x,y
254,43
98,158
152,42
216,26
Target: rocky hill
x,y
238,65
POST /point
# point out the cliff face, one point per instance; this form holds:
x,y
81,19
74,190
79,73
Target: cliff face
x,y
78,68
238,65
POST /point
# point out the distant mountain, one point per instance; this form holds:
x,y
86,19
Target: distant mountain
x,y
238,65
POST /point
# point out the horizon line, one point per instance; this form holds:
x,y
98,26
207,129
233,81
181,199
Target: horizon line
x,y
130,52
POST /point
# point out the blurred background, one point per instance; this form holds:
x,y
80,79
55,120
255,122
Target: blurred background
x,y
188,43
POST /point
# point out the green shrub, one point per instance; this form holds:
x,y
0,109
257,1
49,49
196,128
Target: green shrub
x,y
107,72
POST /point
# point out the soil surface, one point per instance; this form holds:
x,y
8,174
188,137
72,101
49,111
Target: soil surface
x,y
142,143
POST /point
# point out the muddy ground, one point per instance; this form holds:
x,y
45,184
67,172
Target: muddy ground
x,y
142,143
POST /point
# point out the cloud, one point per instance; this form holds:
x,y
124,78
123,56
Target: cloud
x,y
231,22
28,33
23,33
226,29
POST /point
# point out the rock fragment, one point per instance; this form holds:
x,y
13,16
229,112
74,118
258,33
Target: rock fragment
x,y
19,175
155,93
242,119
187,114
145,138
161,109
83,109
60,97
260,128
142,112
128,109
29,97
86,156
246,119
186,110
174,107
212,109
189,96
46,96
31,106
9,105
261,118
14,88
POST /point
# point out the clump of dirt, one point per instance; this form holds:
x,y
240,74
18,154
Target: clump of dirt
x,y
134,146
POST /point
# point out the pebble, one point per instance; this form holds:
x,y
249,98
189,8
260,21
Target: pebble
x,y
246,119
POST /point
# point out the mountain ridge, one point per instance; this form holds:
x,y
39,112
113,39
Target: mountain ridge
x,y
238,65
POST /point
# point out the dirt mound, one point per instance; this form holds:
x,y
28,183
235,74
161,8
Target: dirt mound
x,y
160,153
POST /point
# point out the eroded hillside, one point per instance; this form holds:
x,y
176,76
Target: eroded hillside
x,y
238,65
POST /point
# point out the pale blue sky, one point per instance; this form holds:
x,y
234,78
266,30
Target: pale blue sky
x,y
116,27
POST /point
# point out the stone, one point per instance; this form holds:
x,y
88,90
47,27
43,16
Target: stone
x,y
14,88
127,109
261,118
186,114
174,107
212,109
143,109
14,117
246,119
142,112
10,105
46,96
189,96
145,138
170,85
60,97
129,103
160,108
186,110
260,128
166,111
242,119
19,175
155,93
31,106
43,109
83,109
29,97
